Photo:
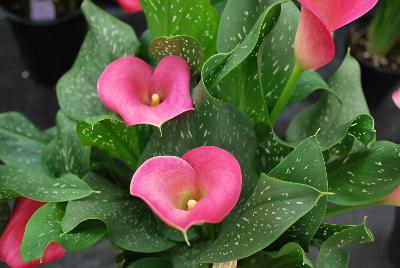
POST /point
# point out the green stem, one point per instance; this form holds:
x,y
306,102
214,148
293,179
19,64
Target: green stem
x,y
336,210
287,93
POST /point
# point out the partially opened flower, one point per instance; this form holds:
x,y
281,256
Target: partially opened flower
x,y
201,187
396,97
130,6
314,46
393,199
10,241
130,88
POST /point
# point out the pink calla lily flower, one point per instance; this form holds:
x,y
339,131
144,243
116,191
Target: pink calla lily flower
x,y
201,187
130,88
314,46
10,241
393,199
396,98
130,6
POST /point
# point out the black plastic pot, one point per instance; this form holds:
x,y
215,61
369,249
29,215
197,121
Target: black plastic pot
x,y
377,82
48,48
393,246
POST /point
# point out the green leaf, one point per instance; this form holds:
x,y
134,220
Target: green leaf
x,y
130,223
33,184
21,143
213,123
274,206
290,255
185,46
44,227
238,20
65,154
326,230
219,5
151,262
365,177
107,40
110,133
233,76
305,165
271,151
276,56
334,121
5,213
332,253
308,83
194,18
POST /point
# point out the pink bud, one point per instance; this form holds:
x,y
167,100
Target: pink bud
x,y
314,45
130,6
11,239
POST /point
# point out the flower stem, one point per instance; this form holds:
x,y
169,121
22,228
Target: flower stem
x,y
286,93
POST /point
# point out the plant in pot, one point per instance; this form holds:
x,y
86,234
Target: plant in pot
x,y
376,45
172,156
48,34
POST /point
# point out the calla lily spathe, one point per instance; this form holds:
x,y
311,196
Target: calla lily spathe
x,y
396,98
314,46
11,239
130,6
201,187
140,95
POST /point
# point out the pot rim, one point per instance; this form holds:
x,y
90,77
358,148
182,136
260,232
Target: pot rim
x,y
28,22
355,28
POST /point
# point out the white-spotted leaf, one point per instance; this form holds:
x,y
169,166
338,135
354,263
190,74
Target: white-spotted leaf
x,y
33,184
130,224
107,40
44,228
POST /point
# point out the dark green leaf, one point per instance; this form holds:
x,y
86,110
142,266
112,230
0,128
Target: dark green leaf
x,y
327,230
305,165
291,255
4,215
130,223
276,56
44,227
308,83
333,121
365,177
213,123
233,76
65,154
332,253
185,46
31,183
110,133
107,40
271,151
194,18
21,143
152,262
274,206
219,5
238,20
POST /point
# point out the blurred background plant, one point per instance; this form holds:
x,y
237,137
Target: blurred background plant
x,y
25,8
375,42
384,30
